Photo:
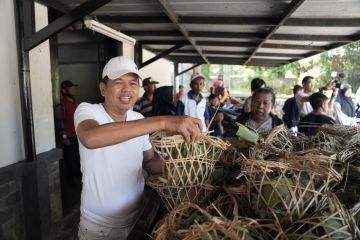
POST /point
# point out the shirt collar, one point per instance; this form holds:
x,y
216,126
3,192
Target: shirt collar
x,y
190,96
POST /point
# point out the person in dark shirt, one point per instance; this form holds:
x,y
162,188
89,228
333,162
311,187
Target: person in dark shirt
x,y
291,111
217,116
311,122
163,101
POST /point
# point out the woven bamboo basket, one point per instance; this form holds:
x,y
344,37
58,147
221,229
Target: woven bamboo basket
x,y
286,191
331,222
187,164
275,142
191,222
174,195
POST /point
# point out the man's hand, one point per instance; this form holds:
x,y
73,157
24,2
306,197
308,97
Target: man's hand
x,y
187,126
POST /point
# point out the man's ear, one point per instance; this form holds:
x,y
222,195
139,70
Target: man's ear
x,y
102,87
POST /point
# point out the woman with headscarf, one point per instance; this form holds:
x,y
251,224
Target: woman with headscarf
x,y
344,107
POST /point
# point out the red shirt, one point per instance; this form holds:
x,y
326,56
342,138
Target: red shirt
x,y
67,116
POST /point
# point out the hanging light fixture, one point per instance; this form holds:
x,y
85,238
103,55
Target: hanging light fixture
x,y
105,30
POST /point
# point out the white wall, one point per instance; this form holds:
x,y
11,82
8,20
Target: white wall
x,y
128,50
160,70
11,138
41,89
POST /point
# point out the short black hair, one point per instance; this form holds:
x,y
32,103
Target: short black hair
x,y
256,83
317,99
212,97
105,80
305,79
181,86
297,88
266,90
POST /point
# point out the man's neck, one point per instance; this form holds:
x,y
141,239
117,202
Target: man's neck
x,y
70,98
117,117
318,112
196,96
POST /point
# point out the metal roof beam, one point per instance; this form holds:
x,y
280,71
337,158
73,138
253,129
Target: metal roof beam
x,y
317,38
174,18
133,19
165,42
55,4
295,4
153,33
160,55
193,59
228,20
257,21
227,44
280,55
296,47
323,22
62,22
188,69
258,36
226,52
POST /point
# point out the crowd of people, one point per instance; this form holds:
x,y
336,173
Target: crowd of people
x,y
112,137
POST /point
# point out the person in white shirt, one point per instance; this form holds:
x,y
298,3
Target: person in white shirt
x,y
344,107
302,99
114,150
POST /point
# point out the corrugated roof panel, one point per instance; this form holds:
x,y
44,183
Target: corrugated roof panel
x,y
306,43
227,7
325,30
329,9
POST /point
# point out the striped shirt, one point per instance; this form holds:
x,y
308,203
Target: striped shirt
x,y
144,106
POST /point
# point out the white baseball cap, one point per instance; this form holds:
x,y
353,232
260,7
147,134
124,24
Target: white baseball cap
x,y
197,75
119,66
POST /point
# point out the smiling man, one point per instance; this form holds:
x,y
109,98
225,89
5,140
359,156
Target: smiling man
x,y
114,148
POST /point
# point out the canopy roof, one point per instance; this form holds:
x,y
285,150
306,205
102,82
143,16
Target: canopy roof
x,y
248,32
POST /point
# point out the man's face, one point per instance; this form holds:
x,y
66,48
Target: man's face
x,y
215,102
70,91
309,85
122,93
150,88
197,85
261,105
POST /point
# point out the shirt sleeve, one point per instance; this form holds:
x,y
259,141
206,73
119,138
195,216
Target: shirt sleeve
x,y
83,112
147,145
180,108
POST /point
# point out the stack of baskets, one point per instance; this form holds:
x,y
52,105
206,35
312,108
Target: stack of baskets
x,y
188,166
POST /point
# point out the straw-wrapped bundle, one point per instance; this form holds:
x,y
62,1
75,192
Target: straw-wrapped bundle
x,y
286,191
332,221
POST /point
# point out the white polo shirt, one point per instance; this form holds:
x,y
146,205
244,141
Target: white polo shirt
x,y
113,180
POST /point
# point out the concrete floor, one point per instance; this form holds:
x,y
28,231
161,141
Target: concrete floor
x,y
71,223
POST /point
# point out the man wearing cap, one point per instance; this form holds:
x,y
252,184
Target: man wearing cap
x,y
193,103
114,149
144,104
68,105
